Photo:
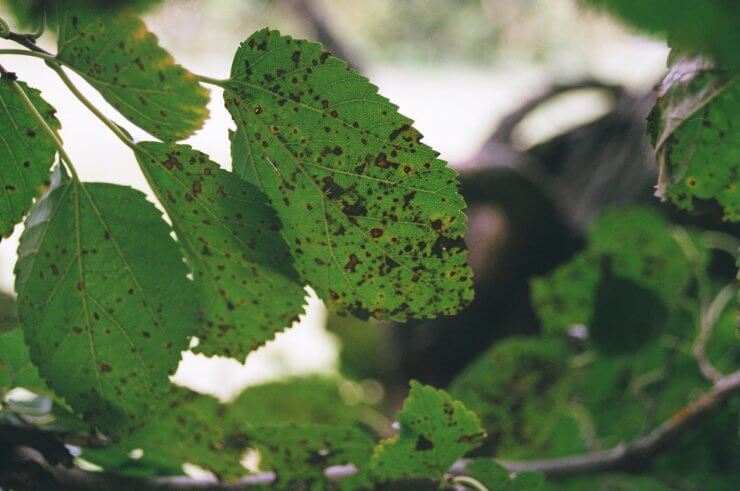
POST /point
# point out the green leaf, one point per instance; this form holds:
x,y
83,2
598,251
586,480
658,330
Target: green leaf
x,y
231,237
634,244
372,217
198,429
519,390
489,473
16,368
26,152
103,299
708,27
435,432
118,56
694,130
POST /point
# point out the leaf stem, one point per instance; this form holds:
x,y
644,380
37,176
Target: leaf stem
x,y
52,134
469,482
211,81
90,106
23,52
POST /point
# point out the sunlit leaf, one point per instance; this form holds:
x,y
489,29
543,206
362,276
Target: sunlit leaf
x,y
118,56
26,152
694,130
103,299
241,264
372,216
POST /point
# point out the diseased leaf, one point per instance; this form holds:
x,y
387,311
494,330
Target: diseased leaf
x,y
633,244
299,455
372,217
708,27
16,368
103,299
26,152
435,432
118,56
231,237
694,130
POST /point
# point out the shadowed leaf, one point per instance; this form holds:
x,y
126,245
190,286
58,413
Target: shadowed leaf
x,y
242,267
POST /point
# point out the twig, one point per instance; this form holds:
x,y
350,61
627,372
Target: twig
x,y
641,450
621,457
709,316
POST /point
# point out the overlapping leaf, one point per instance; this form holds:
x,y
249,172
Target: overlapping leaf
x,y
103,299
517,390
708,27
26,152
118,56
435,432
694,128
16,368
372,217
242,266
298,442
632,244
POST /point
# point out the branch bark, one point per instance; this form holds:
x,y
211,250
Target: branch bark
x,y
27,463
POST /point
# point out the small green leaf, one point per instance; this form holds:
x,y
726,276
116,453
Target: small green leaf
x,y
694,130
26,152
435,432
231,237
16,368
489,473
707,27
118,56
372,216
103,299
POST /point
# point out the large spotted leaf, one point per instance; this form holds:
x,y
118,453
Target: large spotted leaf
x,y
26,152
103,299
435,432
694,128
232,240
118,56
372,217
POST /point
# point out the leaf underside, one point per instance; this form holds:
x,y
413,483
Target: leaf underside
x,y
231,237
104,300
372,216
26,152
118,56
